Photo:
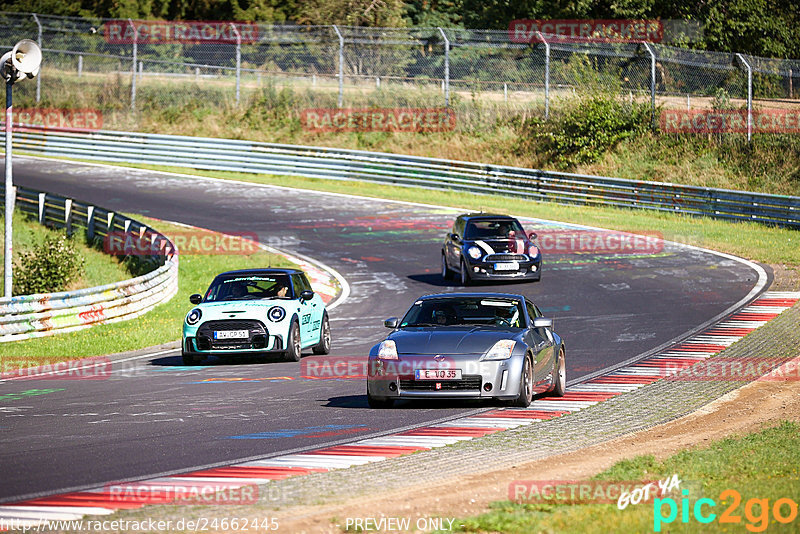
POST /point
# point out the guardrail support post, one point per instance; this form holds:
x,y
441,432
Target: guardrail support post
x,y
89,223
652,81
133,67
238,60
68,215
39,76
341,64
546,75
446,68
42,206
749,96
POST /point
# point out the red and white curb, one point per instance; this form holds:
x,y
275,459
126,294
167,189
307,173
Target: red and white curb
x,y
104,501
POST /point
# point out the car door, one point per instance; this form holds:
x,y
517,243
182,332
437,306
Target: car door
x,y
305,310
542,345
453,245
317,311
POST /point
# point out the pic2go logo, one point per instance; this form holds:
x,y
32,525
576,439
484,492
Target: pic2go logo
x,y
756,511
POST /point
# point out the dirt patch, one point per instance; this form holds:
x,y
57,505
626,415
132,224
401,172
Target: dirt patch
x,y
749,409
787,278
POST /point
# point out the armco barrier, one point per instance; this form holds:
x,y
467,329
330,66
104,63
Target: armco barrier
x,y
320,162
30,316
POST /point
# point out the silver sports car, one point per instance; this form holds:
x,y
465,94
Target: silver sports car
x,y
465,346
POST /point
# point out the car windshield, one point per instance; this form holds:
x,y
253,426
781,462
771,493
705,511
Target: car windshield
x,y
493,229
249,287
456,311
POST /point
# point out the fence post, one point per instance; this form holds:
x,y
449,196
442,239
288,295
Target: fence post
x,y
133,68
80,66
341,64
546,75
652,82
749,96
238,60
446,68
39,76
791,96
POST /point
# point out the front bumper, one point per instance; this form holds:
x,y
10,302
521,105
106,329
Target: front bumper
x,y
394,379
485,270
202,339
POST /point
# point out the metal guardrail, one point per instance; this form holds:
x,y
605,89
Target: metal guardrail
x,y
341,164
29,316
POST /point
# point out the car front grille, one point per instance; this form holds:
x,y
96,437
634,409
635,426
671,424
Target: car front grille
x,y
468,382
505,257
257,336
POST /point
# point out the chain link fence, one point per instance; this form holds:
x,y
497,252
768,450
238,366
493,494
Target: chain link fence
x,y
122,67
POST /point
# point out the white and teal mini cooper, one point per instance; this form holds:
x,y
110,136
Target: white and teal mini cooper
x,y
256,311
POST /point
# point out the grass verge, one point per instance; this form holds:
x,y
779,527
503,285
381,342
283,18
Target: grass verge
x,y
99,268
761,468
160,325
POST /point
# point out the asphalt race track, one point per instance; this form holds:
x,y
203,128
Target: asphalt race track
x,y
153,416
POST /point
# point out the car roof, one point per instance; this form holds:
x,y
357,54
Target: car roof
x,y
486,216
255,272
476,295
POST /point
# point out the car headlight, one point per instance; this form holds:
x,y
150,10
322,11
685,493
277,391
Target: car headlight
x,y
387,350
193,316
276,314
501,350
533,251
474,253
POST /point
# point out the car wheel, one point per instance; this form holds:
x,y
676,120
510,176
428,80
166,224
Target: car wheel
x,y
190,359
525,396
379,402
465,280
560,376
446,274
324,345
293,351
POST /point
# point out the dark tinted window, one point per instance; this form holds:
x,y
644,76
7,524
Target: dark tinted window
x,y
487,229
248,287
454,311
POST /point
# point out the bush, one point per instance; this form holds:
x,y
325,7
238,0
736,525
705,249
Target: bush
x,y
49,266
585,131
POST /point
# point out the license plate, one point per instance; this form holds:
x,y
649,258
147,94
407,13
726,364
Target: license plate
x,y
231,334
510,266
437,374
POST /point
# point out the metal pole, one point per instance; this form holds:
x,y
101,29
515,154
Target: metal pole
x,y
39,76
749,96
341,64
652,81
446,68
238,60
80,66
791,96
546,75
9,196
133,72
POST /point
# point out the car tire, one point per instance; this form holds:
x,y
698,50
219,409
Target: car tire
x,y
525,396
379,402
446,273
324,345
465,279
560,375
190,359
293,350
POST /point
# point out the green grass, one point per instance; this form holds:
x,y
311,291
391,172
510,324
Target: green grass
x,y
762,465
99,268
160,325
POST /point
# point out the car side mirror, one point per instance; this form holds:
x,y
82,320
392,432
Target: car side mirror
x,y
196,299
306,295
542,322
456,238
532,235
391,322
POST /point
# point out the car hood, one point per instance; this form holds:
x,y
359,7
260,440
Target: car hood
x,y
243,309
449,340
